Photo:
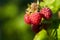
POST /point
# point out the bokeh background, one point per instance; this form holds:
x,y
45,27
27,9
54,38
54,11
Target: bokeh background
x,y
12,25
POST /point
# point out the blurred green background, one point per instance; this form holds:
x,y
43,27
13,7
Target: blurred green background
x,y
12,25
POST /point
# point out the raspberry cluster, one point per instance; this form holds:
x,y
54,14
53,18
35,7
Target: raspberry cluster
x,y
33,16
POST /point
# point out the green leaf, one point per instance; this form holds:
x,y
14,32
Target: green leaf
x,y
54,5
58,32
42,35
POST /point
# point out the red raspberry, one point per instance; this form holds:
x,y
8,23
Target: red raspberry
x,y
35,18
27,18
36,28
46,12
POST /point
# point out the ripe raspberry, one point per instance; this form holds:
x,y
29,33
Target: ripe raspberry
x,y
36,28
35,18
46,12
27,18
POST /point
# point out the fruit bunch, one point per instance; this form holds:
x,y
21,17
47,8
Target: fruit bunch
x,y
34,15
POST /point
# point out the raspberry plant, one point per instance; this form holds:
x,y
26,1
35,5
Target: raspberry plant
x,y
44,19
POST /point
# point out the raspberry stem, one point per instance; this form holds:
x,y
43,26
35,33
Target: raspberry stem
x,y
38,2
